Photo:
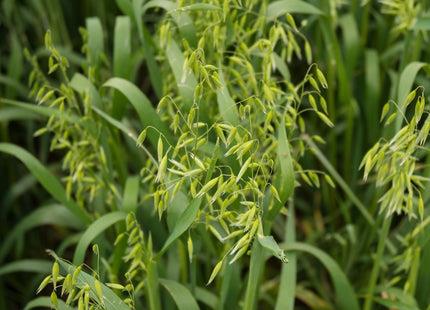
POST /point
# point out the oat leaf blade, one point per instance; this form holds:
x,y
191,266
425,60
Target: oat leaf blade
x,y
185,80
346,298
284,180
45,302
131,193
279,8
26,265
181,295
226,105
95,39
95,229
121,60
183,223
55,214
147,114
46,179
407,79
287,286
422,23
82,84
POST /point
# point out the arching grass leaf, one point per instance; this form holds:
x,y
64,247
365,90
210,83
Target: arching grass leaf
x,y
44,176
45,302
180,294
26,265
56,215
183,223
346,298
95,229
279,8
146,112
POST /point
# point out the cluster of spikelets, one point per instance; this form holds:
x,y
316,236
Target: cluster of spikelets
x,y
229,160
405,11
395,161
70,285
233,176
234,192
86,291
74,128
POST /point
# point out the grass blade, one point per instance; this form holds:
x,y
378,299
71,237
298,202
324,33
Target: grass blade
x,y
373,92
186,81
26,265
95,40
183,223
121,60
48,215
280,8
147,114
422,23
406,81
226,105
82,85
9,114
45,302
284,180
38,109
131,194
48,181
206,297
287,286
346,298
180,294
95,229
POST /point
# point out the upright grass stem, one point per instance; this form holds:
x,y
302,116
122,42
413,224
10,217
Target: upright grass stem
x,y
152,286
368,303
255,271
340,181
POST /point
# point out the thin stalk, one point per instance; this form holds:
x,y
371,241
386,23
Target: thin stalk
x,y
339,180
193,275
377,263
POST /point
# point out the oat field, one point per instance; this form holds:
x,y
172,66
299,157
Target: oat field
x,y
215,154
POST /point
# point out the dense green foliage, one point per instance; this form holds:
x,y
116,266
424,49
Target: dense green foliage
x,y
219,154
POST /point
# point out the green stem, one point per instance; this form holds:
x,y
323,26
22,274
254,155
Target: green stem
x,y
287,285
255,271
339,180
377,263
152,286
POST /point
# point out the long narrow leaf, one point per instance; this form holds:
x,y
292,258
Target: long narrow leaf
x,y
146,112
180,294
346,298
279,8
95,229
48,181
56,215
26,265
45,302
